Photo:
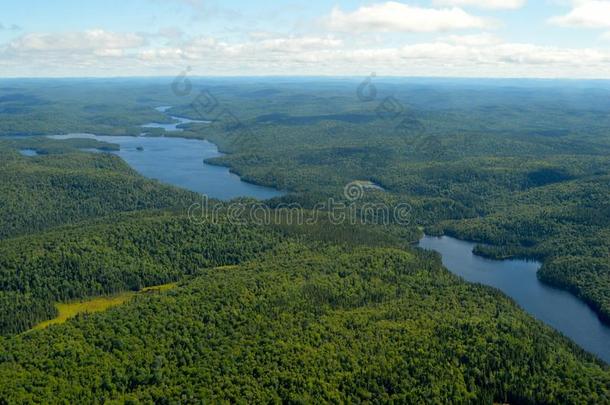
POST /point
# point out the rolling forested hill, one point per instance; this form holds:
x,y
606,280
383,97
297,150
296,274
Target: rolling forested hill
x,y
306,323
290,313
523,166
64,185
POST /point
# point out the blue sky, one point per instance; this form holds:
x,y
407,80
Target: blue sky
x,y
476,38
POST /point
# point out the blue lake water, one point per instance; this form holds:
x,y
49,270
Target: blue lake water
x,y
28,152
517,279
173,127
180,162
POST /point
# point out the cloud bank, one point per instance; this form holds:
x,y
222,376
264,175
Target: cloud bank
x,y
389,38
489,4
399,17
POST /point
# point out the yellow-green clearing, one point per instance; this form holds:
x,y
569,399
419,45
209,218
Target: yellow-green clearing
x,y
71,309
159,288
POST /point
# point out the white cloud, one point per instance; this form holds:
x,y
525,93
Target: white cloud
x,y
296,44
104,53
585,14
398,17
467,55
473,40
271,51
91,40
489,4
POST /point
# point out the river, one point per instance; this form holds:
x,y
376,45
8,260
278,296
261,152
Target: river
x,y
175,126
517,279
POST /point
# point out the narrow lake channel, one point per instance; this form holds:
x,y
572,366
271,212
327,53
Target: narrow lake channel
x,y
517,279
180,162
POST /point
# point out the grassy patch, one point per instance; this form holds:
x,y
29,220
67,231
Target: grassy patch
x,y
159,288
70,310
98,304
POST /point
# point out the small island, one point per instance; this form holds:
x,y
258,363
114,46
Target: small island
x,y
367,184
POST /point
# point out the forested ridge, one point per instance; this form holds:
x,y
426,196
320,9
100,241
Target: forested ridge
x,y
318,323
522,168
567,225
65,185
123,253
294,313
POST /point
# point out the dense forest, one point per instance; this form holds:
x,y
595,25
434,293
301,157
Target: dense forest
x,y
117,254
523,167
292,313
307,323
64,185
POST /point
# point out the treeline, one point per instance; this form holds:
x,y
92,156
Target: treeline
x,y
307,324
86,106
122,253
531,193
587,277
526,196
20,311
38,193
566,225
310,315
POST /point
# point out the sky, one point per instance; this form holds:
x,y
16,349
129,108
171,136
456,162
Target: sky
x,y
449,38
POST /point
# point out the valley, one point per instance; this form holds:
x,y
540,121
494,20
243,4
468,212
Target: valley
x,y
314,311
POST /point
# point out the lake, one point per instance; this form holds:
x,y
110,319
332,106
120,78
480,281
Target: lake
x,y
517,279
28,152
180,162
173,127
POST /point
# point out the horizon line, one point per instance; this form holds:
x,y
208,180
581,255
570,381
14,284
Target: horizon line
x,y
312,76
